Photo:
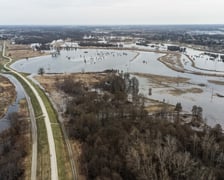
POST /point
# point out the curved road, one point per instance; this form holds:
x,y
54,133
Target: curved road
x,y
53,158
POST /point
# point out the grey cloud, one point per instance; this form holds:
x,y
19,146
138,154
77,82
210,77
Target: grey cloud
x,y
111,11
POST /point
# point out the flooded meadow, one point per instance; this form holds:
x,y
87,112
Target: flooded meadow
x,y
198,89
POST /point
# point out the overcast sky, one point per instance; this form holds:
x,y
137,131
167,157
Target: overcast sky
x,y
106,12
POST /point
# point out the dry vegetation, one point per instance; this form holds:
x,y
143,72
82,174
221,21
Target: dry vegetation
x,y
157,107
216,82
171,84
49,83
17,52
163,79
178,92
24,113
172,60
7,94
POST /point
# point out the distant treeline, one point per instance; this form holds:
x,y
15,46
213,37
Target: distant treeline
x,y
172,33
44,36
96,44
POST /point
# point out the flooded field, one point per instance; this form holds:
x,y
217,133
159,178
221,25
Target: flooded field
x,y
198,90
78,61
203,61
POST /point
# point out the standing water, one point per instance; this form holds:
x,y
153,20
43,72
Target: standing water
x,y
95,60
4,122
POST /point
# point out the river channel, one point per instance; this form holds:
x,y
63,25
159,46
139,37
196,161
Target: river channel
x,y
4,122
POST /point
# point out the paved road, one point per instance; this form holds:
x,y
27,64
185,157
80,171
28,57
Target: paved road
x,y
53,158
67,142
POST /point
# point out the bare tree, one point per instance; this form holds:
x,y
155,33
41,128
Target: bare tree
x,y
41,71
178,109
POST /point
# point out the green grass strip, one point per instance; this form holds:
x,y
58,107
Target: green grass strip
x,y
64,171
35,103
43,166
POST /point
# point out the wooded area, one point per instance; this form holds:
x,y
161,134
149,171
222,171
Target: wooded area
x,y
121,141
13,148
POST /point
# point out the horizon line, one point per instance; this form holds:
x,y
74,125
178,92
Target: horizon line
x,y
194,24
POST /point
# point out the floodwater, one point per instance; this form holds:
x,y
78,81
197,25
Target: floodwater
x,y
93,60
204,62
77,61
211,104
4,122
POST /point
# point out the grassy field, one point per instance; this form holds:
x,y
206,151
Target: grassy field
x,y
18,51
51,112
36,105
43,168
64,168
